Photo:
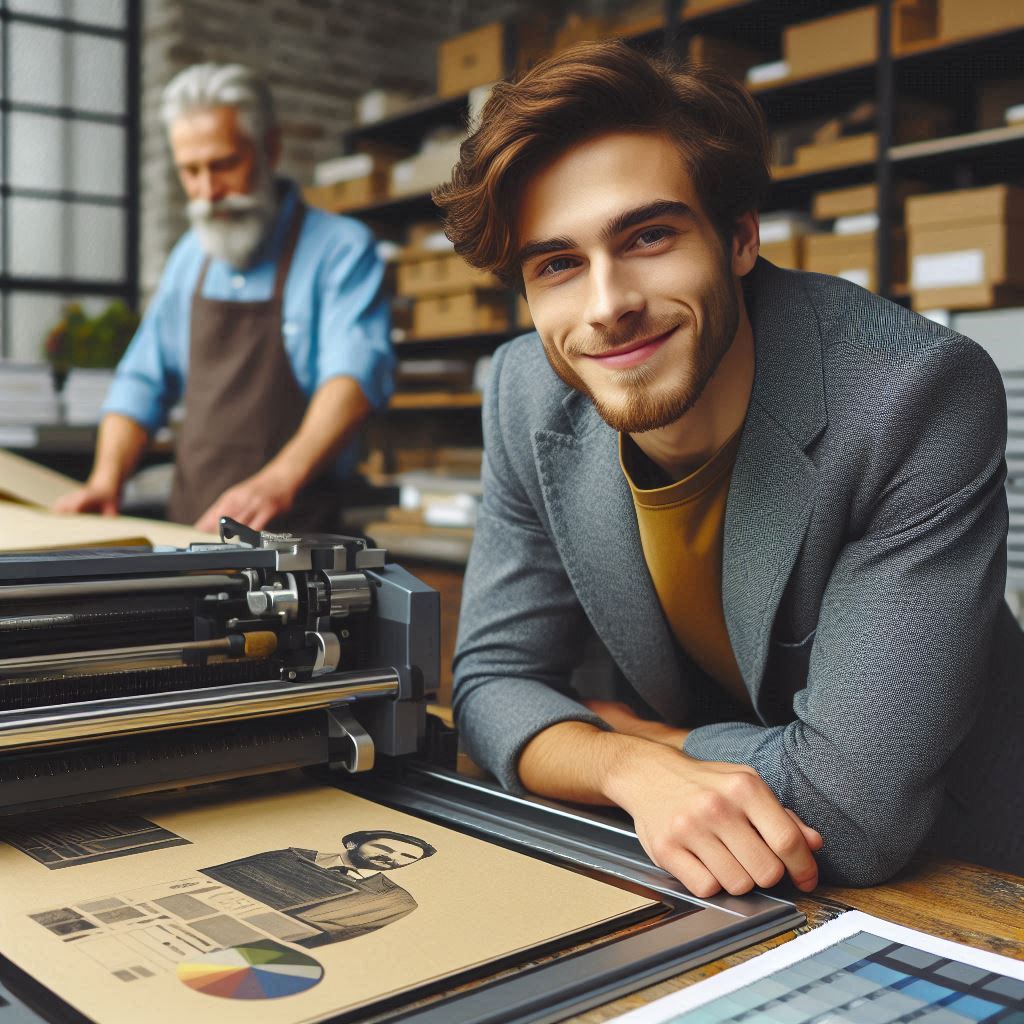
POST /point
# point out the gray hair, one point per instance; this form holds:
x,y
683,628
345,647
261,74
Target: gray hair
x,y
203,86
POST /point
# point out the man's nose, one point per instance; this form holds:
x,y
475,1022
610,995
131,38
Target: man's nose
x,y
613,294
208,186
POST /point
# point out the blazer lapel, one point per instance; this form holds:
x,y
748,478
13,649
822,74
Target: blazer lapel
x,y
593,523
774,482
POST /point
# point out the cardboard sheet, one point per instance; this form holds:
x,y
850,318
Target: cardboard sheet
x,y
23,528
23,480
246,904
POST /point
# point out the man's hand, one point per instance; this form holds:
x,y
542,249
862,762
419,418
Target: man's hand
x,y
711,824
622,718
119,444
93,497
255,502
714,825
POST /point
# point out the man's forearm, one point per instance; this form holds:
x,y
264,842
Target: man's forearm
x,y
335,412
119,446
578,762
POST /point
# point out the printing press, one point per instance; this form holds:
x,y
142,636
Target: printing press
x,y
131,670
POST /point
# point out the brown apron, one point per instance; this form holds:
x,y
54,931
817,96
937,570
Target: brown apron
x,y
242,403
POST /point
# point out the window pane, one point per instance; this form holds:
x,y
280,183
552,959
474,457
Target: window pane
x,y
58,69
55,153
33,315
53,239
109,13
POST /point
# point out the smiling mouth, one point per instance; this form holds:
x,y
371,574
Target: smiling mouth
x,y
633,353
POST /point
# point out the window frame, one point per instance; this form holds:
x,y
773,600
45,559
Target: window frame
x,y
126,287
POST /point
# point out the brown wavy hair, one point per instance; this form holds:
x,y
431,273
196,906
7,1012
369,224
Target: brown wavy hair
x,y
588,90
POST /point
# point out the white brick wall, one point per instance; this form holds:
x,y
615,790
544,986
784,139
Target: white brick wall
x,y
318,56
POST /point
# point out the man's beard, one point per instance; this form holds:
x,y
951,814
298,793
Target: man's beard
x,y
233,228
643,408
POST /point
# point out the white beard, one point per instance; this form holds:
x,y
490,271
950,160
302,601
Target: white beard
x,y
236,237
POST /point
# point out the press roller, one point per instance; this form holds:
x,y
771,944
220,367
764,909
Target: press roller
x,y
128,669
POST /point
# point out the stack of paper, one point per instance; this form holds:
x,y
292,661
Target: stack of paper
x,y
84,394
27,395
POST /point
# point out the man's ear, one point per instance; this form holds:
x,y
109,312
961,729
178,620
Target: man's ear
x,y
350,844
746,243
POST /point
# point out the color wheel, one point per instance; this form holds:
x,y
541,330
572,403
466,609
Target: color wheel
x,y
258,970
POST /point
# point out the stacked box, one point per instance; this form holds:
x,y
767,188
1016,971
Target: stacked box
x,y
958,18
850,149
966,247
428,274
828,44
853,257
467,312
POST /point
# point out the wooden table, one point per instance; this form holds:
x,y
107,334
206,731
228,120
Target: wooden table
x,y
950,899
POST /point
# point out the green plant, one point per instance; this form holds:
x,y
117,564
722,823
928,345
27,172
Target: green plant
x,y
99,342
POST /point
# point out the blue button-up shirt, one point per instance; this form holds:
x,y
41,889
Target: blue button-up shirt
x,y
334,316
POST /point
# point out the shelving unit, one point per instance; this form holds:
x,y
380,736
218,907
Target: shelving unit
x,y
943,71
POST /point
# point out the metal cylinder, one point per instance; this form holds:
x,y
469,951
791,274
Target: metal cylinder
x,y
347,593
217,704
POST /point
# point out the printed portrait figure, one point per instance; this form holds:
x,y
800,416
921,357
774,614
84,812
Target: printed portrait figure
x,y
341,894
366,853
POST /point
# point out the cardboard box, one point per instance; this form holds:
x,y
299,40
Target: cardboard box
x,y
968,205
966,247
844,202
440,275
854,149
958,18
848,202
988,252
979,296
788,253
725,55
468,312
853,257
473,58
828,44
914,21
348,195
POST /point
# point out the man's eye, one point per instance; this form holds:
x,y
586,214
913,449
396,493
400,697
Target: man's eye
x,y
650,237
556,266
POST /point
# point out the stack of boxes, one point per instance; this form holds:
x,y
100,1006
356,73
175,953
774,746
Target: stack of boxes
x,y
448,297
967,248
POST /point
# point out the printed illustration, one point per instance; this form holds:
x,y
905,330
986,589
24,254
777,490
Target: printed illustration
x,y
342,895
78,837
235,916
261,970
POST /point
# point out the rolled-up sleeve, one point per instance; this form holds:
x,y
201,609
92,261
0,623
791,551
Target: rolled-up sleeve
x,y
354,323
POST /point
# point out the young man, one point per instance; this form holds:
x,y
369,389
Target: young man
x,y
776,498
269,323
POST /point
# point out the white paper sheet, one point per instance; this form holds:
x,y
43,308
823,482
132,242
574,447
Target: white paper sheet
x,y
692,1005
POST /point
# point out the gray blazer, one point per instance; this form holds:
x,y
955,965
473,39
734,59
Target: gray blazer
x,y
863,575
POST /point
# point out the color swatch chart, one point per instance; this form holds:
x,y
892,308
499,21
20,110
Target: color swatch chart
x,y
868,979
258,970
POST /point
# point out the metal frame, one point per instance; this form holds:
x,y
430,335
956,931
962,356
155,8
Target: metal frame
x,y
127,287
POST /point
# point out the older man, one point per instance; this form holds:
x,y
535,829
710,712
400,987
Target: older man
x,y
269,321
